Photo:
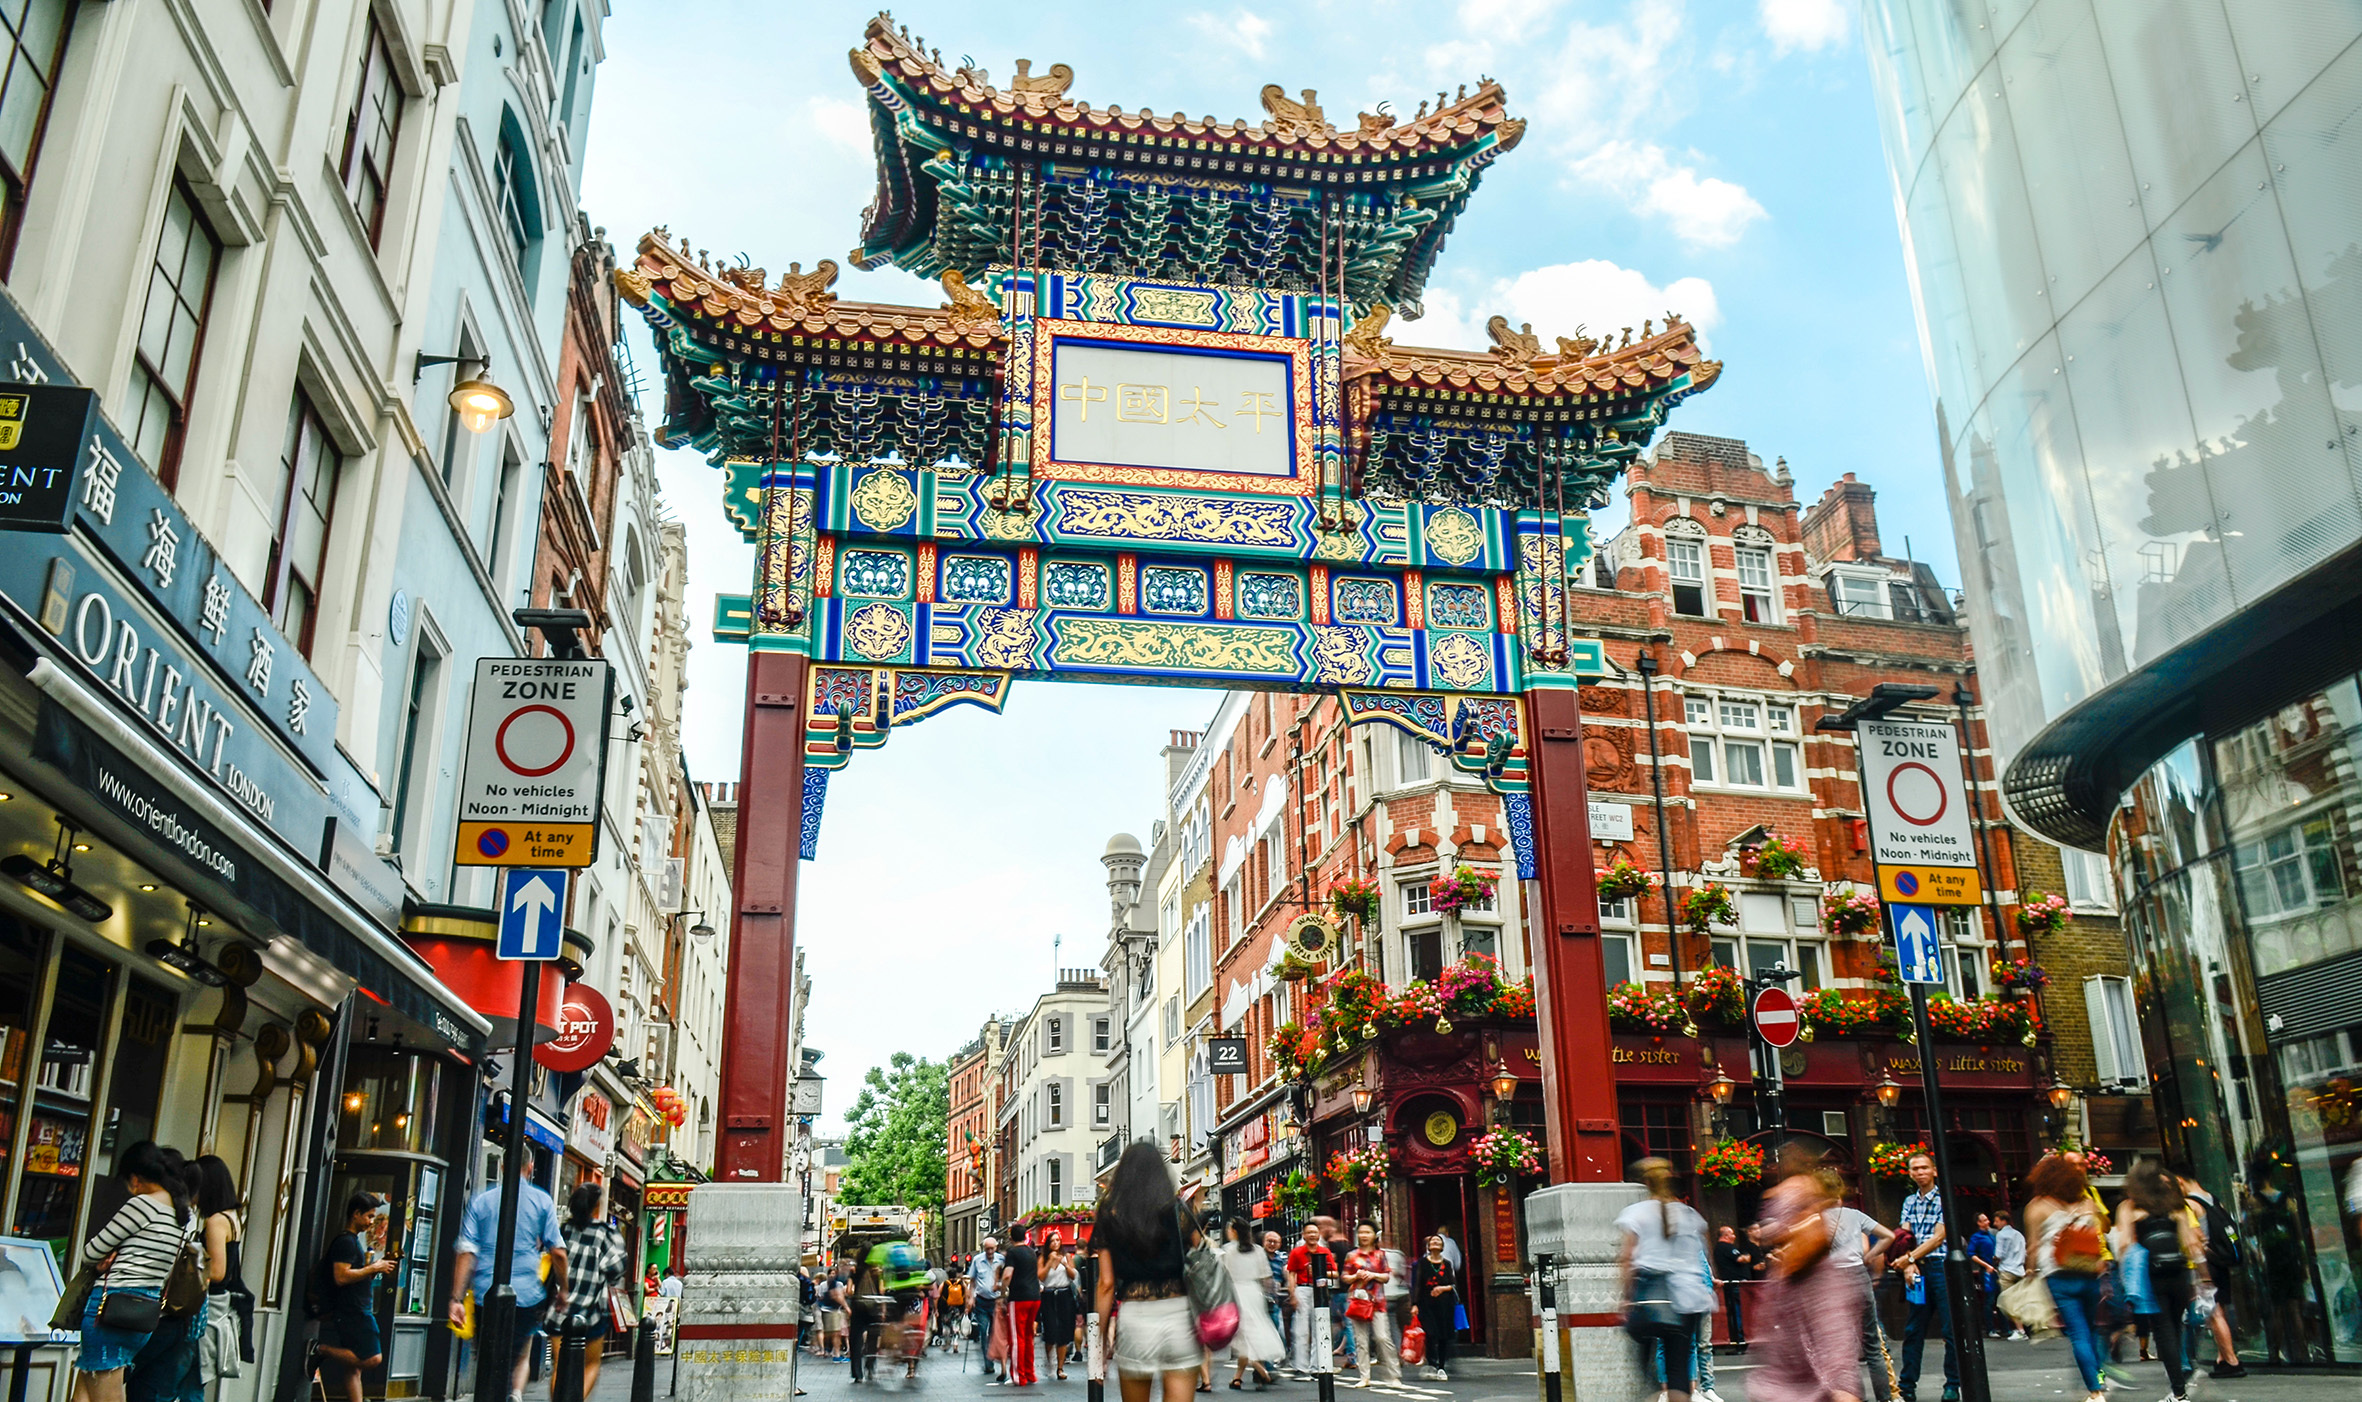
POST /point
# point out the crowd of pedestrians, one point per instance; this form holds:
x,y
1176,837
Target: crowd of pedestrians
x,y
1800,1288
160,1299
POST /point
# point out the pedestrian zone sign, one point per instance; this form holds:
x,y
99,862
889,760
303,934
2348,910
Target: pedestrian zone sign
x,y
532,913
1921,827
1919,955
536,762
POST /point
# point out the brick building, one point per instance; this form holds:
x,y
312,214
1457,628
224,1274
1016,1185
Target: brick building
x,y
1737,617
969,1160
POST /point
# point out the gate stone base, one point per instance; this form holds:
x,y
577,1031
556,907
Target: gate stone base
x,y
740,1302
1575,1223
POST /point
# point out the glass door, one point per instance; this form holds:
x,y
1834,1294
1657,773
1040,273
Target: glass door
x,y
57,1139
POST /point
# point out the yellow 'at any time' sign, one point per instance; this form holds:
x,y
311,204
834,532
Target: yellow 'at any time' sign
x,y
1925,885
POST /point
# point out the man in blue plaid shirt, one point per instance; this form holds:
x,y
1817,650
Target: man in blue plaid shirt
x,y
1923,1218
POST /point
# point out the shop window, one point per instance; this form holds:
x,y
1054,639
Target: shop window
x,y
32,45
1685,567
370,131
310,467
21,948
389,1103
171,331
57,1138
1658,1129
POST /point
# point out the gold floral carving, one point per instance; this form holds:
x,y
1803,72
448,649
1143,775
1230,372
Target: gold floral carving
x,y
1461,663
1146,516
1197,647
883,501
1339,656
878,632
1454,536
1176,304
1343,543
1012,525
970,309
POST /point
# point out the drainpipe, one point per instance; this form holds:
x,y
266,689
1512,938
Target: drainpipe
x,y
1656,781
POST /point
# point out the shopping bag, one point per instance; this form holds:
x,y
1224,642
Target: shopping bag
x,y
1460,1318
1414,1342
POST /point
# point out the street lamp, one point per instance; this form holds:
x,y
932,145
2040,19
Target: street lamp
x,y
2061,1094
478,401
1890,1091
1722,1088
1504,1082
1362,1096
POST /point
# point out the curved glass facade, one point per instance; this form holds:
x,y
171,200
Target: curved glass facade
x,y
2134,233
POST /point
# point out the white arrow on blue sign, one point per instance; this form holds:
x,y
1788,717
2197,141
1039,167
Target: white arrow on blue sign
x,y
532,902
1919,957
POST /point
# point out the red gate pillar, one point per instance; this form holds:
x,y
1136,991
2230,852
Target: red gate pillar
x,y
1570,977
756,1078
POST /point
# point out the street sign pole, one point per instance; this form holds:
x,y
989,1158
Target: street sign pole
x,y
497,1314
1975,1386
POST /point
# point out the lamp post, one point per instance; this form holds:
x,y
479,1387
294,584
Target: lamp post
x,y
1504,1091
2062,1098
1890,1093
1720,1090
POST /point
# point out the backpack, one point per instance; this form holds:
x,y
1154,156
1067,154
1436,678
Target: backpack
x,y
955,1291
2222,1233
2076,1248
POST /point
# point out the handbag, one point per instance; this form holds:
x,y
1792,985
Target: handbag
x,y
1414,1342
2027,1300
1650,1313
129,1312
75,1299
1359,1305
1211,1300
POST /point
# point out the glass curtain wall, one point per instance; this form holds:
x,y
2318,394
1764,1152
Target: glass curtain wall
x,y
2239,863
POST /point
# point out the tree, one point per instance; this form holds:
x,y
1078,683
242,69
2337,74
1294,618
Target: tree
x,y
894,1145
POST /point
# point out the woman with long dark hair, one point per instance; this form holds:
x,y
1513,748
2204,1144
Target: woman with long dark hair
x,y
1142,1238
594,1266
2153,1226
166,1369
229,1307
135,1251
1059,1304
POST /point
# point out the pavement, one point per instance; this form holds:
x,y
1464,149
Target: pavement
x,y
2018,1372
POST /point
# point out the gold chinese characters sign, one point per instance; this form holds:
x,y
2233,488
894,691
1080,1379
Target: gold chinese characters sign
x,y
1163,407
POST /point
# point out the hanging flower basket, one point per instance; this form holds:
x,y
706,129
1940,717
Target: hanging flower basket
x,y
1632,1008
1849,911
1465,887
1730,1163
1296,1192
1356,896
1505,1155
1293,967
1624,881
1775,860
1876,1013
1718,993
2041,913
2022,974
1708,906
1891,1160
1361,1168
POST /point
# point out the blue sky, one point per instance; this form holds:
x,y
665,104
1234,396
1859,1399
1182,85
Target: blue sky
x,y
1718,159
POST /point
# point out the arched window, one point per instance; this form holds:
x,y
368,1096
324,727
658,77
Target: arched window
x,y
1751,547
1685,565
517,194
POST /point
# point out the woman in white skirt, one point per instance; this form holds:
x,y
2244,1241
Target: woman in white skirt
x,y
1250,1280
1141,1237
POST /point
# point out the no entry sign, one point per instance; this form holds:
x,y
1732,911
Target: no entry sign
x,y
1775,1016
536,762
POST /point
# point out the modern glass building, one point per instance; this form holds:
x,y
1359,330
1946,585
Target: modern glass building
x,y
2134,232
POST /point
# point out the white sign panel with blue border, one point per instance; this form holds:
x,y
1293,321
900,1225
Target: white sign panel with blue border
x,y
1919,957
532,912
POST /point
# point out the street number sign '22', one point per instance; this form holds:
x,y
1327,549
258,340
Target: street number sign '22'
x,y
536,762
1922,832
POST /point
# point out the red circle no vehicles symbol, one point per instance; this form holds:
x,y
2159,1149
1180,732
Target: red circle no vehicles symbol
x,y
1775,1016
546,735
1914,790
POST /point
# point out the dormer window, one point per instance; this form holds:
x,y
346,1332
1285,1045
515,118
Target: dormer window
x,y
1858,595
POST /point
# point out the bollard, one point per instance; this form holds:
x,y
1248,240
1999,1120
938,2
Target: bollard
x,y
573,1352
1094,1345
644,1361
1546,1291
1324,1351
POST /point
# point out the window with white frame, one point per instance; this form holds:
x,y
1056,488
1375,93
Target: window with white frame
x,y
1198,952
1054,1105
1967,954
1102,1104
1055,1032
1775,931
1685,568
1102,1034
1743,741
1413,761
1172,1019
1858,595
2088,886
2115,1031
1619,940
1234,906
1417,900
2290,871
1056,1172
1757,598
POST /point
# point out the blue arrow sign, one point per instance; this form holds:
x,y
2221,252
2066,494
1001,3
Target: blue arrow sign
x,y
532,906
1919,957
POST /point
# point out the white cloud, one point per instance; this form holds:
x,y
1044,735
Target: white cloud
x,y
1247,33
843,121
1594,296
1704,211
1810,25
